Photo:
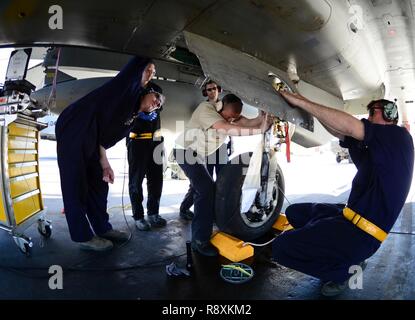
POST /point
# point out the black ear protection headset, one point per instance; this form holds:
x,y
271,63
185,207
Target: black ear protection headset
x,y
204,91
389,109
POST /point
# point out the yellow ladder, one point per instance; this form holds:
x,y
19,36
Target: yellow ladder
x,y
21,202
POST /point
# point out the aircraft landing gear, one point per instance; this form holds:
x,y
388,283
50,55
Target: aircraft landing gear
x,y
247,211
261,216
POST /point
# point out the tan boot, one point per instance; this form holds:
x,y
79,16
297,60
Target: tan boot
x,y
96,244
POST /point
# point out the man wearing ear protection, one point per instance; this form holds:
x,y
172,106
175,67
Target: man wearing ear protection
x,y
143,145
328,239
206,131
216,160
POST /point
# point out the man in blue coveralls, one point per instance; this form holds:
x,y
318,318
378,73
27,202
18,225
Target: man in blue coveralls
x,y
144,160
328,238
84,130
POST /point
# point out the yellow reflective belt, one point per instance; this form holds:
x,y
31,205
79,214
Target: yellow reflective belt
x,y
146,135
364,224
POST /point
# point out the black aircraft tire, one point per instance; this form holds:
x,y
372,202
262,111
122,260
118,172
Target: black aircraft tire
x,y
228,202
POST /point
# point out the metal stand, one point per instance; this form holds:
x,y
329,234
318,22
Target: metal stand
x,y
21,202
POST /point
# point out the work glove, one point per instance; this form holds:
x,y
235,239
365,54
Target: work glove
x,y
147,116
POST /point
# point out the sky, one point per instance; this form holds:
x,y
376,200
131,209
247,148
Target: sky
x,y
4,60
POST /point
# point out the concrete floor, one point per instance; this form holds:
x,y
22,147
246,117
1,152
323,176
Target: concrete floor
x,y
137,269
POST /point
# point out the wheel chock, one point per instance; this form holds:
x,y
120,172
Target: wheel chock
x,y
231,248
282,223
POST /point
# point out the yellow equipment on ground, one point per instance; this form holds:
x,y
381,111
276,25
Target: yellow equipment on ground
x,y
231,247
282,223
21,202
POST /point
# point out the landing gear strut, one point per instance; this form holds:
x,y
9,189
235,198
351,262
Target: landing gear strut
x,y
265,209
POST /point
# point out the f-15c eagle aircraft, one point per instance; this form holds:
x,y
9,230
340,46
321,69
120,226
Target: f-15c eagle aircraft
x,y
339,53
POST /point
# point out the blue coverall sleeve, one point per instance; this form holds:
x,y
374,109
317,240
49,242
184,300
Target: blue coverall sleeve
x,y
355,149
379,140
133,70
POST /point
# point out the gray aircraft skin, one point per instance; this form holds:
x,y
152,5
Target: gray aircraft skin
x,y
82,70
340,53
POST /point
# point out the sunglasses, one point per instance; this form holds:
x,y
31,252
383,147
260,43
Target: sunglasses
x,y
212,89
